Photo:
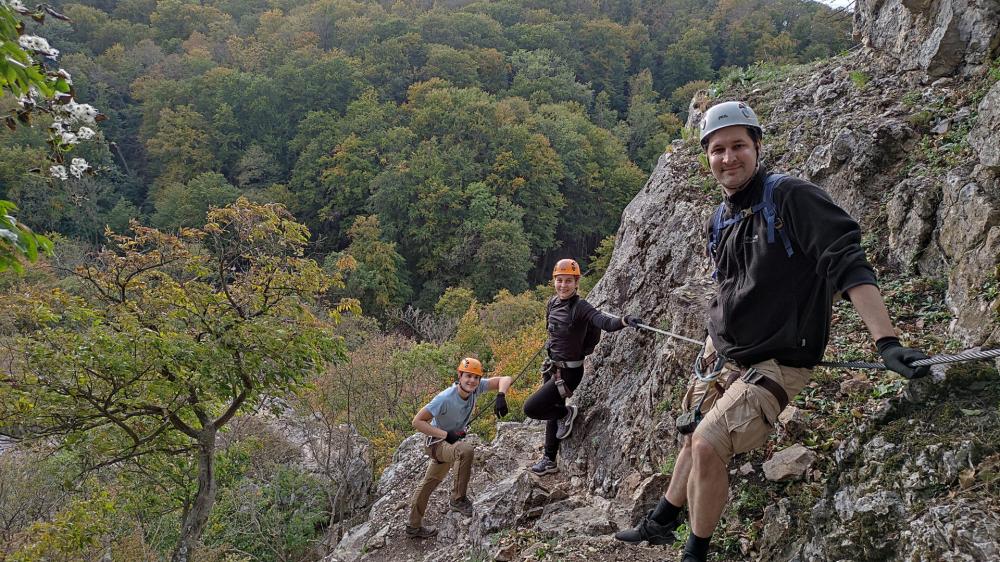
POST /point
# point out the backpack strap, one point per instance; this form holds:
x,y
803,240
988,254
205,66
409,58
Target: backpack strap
x,y
766,207
713,239
774,222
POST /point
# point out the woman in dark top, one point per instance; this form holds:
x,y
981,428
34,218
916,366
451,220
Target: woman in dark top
x,y
574,327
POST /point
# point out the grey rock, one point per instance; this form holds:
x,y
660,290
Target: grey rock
x,y
969,238
586,520
942,127
965,530
983,137
789,464
378,539
793,420
779,524
646,495
820,163
911,218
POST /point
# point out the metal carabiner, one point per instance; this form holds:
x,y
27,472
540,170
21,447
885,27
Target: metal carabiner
x,y
720,362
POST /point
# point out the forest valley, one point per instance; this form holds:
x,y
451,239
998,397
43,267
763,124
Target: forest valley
x,y
296,216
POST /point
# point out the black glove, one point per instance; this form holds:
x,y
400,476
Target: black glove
x,y
898,358
454,436
632,321
500,406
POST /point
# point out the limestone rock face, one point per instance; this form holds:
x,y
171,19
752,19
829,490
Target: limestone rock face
x,y
911,220
969,236
939,37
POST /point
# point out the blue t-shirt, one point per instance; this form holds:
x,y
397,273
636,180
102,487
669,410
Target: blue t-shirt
x,y
450,411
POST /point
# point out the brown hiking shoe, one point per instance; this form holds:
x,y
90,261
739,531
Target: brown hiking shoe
x,y
420,532
463,506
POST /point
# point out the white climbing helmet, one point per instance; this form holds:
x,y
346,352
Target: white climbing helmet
x,y
727,114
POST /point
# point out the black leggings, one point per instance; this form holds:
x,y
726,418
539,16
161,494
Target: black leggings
x,y
546,404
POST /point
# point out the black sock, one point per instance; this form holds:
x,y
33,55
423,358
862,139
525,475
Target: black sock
x,y
665,512
697,546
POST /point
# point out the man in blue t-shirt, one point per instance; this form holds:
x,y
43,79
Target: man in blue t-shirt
x,y
444,421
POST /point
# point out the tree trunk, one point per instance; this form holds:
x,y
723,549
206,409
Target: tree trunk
x,y
194,521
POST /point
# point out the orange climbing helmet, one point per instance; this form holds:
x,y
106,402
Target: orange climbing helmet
x,y
471,366
566,267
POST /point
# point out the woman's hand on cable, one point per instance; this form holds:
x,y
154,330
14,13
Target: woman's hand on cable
x,y
632,321
500,406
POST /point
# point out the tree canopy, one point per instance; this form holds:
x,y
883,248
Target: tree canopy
x,y
167,339
488,138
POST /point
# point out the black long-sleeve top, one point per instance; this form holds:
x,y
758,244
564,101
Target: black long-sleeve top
x,y
567,326
774,306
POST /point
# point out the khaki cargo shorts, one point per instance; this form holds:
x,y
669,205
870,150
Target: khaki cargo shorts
x,y
740,417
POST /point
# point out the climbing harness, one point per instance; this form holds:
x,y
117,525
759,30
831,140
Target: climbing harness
x,y
551,369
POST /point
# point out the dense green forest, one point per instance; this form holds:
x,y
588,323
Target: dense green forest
x,y
479,140
299,172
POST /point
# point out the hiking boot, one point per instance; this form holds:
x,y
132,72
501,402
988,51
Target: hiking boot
x,y
420,532
649,530
565,425
462,505
544,466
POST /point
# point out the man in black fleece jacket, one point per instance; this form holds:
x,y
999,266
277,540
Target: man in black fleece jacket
x,y
781,249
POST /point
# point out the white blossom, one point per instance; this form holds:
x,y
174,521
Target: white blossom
x,y
85,133
78,166
58,172
83,113
68,138
37,44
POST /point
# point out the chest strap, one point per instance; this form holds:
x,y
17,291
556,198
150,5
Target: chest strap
x,y
765,207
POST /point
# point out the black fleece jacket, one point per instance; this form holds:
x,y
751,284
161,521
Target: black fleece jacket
x,y
566,333
774,306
